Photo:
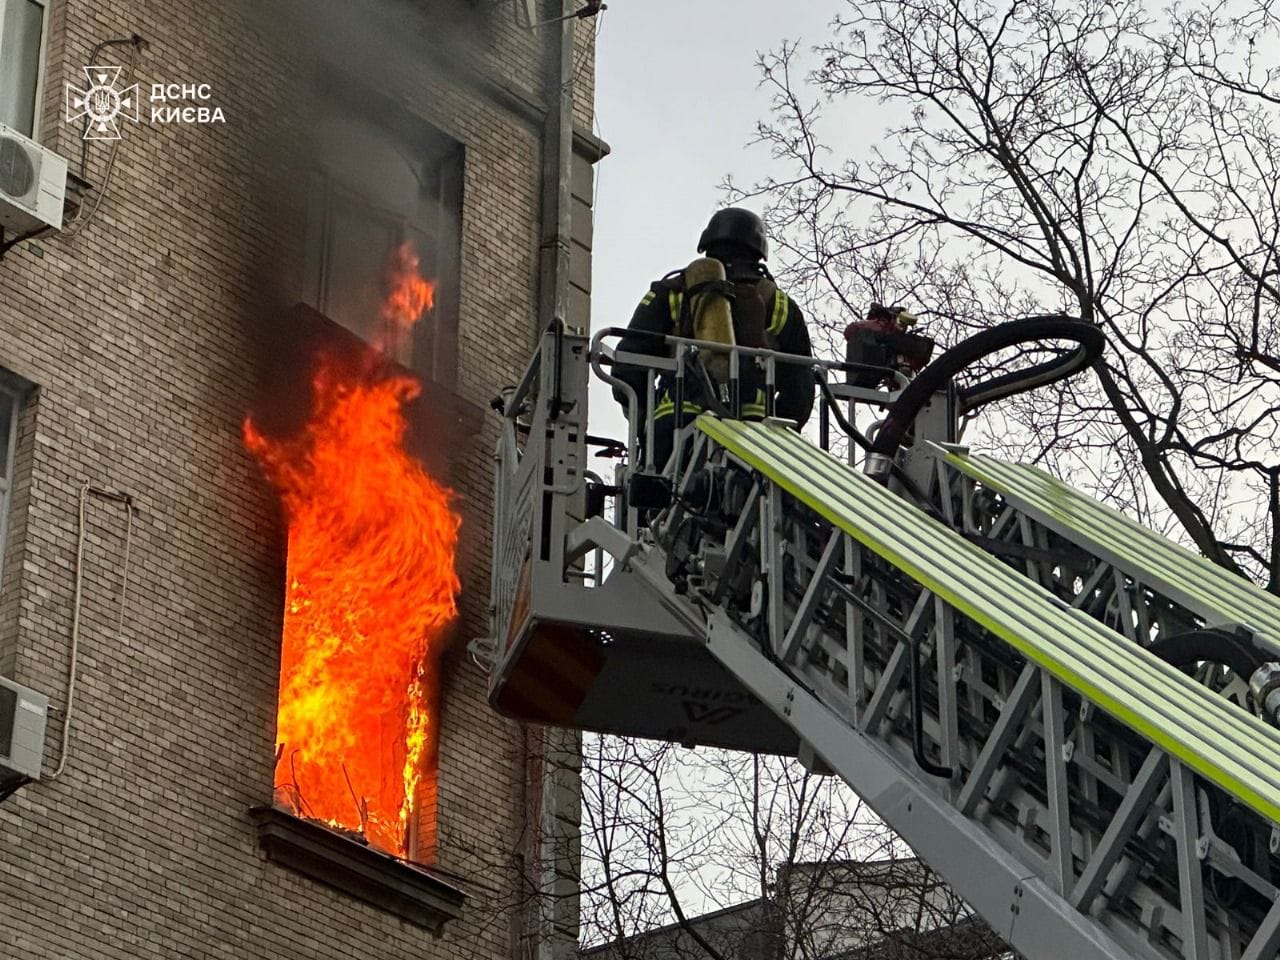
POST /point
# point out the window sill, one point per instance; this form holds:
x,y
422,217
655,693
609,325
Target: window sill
x,y
410,892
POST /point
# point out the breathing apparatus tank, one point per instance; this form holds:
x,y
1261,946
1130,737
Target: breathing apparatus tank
x,y
711,311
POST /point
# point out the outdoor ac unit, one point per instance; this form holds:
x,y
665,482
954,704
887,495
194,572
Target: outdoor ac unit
x,y
22,718
33,185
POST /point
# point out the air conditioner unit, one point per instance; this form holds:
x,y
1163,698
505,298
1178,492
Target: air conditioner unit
x,y
22,718
33,185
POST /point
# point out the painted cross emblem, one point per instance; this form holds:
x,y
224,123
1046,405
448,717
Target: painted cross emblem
x,y
103,102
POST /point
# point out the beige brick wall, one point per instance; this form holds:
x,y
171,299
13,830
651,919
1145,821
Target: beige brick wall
x,y
143,335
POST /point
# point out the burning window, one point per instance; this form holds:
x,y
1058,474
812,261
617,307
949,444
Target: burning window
x,y
381,179
370,589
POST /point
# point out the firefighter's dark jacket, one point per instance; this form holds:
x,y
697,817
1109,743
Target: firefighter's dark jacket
x,y
659,312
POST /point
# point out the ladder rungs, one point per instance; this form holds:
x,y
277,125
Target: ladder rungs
x,y
1224,744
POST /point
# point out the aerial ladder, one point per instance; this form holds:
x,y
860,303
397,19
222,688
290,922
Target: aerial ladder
x,y
1072,719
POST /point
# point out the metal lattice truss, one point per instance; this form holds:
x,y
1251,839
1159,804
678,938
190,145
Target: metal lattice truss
x,y
974,666
1098,801
1138,583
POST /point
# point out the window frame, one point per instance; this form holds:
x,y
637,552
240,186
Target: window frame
x,y
440,162
335,197
16,393
41,66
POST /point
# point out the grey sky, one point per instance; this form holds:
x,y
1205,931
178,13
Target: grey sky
x,y
677,99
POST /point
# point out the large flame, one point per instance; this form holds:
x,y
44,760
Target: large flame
x,y
370,588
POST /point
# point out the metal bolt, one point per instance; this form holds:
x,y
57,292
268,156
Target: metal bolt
x,y
1265,687
1271,706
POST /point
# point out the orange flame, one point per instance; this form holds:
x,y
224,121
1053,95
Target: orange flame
x,y
370,588
410,295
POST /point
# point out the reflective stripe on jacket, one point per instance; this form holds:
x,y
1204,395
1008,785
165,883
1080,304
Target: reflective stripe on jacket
x,y
777,320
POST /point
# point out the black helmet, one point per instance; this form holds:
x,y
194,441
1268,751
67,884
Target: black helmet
x,y
736,227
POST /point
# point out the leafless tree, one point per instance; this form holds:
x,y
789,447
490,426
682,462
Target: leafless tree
x,y
733,856
981,160
987,159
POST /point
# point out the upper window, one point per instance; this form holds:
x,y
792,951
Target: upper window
x,y
377,185
13,392
23,25
10,402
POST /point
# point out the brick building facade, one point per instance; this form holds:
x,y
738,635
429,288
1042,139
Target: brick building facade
x,y
137,339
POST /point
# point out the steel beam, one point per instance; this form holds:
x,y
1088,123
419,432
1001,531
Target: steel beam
x,y
1033,917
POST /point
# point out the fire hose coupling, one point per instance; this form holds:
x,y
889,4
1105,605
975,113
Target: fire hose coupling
x,y
878,466
1265,687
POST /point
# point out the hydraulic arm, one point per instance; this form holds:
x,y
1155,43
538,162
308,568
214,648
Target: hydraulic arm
x,y
1066,715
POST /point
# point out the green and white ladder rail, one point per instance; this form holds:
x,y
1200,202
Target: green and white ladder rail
x,y
1140,583
979,679
1083,779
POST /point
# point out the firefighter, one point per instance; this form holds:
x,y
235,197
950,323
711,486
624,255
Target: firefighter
x,y
729,297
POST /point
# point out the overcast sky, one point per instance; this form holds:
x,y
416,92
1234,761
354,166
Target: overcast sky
x,y
677,99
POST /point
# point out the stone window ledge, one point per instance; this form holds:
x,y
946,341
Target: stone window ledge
x,y
349,866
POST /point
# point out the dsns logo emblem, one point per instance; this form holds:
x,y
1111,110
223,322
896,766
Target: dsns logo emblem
x,y
103,102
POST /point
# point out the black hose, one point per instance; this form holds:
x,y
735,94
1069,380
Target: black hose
x,y
1213,645
858,437
935,376
917,718
853,433
1239,650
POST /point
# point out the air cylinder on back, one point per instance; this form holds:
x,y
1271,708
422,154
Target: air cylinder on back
x,y
711,311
